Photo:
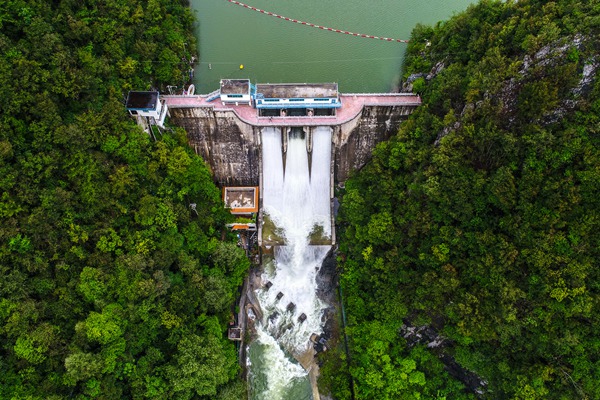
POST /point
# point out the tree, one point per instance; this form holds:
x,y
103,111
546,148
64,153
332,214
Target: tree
x,y
201,365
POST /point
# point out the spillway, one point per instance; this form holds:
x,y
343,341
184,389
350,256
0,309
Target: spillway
x,y
296,191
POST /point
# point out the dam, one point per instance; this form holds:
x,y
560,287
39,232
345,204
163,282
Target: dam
x,y
224,126
291,143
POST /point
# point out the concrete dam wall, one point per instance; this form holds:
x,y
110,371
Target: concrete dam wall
x,y
230,147
227,135
355,140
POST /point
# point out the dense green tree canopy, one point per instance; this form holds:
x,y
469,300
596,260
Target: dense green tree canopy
x,y
110,286
481,218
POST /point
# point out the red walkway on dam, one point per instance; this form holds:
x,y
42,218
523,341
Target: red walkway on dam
x,y
352,105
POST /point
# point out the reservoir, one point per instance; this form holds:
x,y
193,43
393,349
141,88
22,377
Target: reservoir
x,y
274,50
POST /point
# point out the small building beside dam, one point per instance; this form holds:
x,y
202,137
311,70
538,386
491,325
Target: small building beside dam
x,y
224,126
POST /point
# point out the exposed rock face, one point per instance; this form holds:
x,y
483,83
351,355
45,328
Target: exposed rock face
x,y
429,336
327,279
531,68
437,68
407,86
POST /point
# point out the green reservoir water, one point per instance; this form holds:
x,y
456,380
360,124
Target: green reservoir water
x,y
274,50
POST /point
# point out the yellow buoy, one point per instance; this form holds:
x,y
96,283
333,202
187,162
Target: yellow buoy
x,y
241,66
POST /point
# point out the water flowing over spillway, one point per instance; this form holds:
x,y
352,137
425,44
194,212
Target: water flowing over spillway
x,y
296,199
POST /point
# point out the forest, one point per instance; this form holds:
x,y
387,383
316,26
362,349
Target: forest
x,y
479,222
111,285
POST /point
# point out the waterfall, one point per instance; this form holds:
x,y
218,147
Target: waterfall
x,y
298,204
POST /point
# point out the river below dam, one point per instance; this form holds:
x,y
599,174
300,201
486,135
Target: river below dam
x,y
274,50
296,198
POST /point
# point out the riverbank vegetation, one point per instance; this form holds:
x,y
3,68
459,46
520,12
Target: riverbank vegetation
x,y
111,285
480,220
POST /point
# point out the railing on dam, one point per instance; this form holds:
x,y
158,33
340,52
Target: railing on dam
x,y
352,106
212,96
381,94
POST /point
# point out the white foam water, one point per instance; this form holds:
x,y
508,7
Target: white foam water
x,y
298,203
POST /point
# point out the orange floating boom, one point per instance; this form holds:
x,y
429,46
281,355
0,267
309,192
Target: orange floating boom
x,y
316,26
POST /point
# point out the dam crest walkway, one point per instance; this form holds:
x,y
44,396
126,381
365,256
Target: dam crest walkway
x,y
352,106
